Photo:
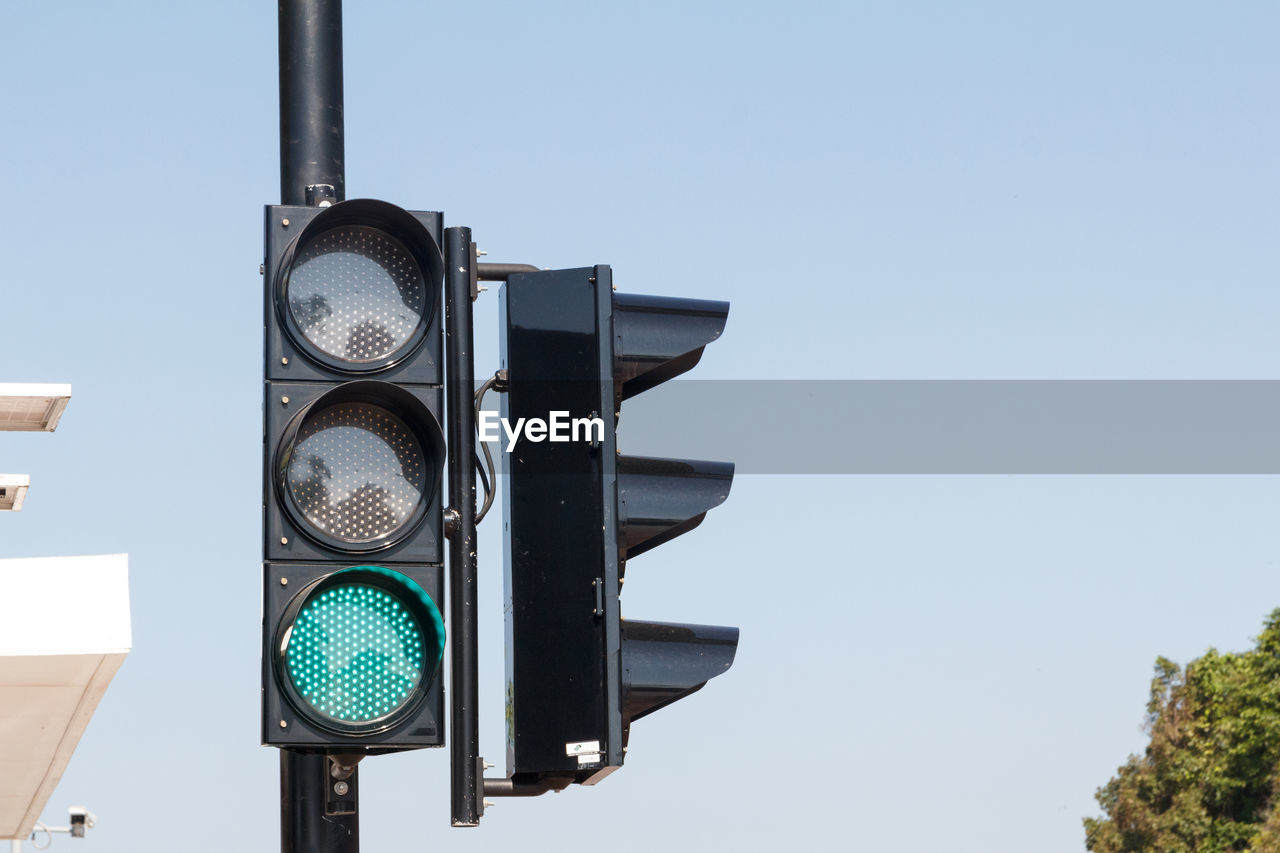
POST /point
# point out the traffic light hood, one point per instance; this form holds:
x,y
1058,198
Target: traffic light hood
x,y
659,499
663,662
657,338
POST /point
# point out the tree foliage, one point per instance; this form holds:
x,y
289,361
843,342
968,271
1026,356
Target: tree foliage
x,y
1208,780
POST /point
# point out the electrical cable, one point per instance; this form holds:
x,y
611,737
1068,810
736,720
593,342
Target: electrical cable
x,y
489,480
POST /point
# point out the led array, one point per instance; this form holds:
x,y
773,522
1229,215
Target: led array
x,y
356,293
356,472
355,653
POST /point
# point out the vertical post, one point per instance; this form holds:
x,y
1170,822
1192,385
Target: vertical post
x,y
311,129
307,820
311,172
460,392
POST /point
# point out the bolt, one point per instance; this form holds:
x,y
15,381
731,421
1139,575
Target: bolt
x,y
324,203
284,360
284,581
262,269
488,804
284,540
283,724
340,788
284,222
284,401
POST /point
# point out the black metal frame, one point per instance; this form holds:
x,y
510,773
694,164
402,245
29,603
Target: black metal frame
x,y
466,799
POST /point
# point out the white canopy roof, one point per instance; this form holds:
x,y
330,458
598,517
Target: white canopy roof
x,y
32,406
64,631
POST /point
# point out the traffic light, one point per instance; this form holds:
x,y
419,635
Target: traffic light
x,y
578,674
353,455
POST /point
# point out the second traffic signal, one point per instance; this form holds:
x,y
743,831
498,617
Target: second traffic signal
x,y
578,673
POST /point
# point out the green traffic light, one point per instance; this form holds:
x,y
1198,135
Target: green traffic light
x,y
358,650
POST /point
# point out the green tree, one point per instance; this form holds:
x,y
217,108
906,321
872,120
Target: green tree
x,y
1209,778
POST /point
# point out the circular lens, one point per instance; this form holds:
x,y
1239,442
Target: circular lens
x,y
356,473
356,294
355,653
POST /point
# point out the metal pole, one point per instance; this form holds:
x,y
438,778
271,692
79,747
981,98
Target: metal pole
x,y
313,817
311,821
311,130
460,392
15,846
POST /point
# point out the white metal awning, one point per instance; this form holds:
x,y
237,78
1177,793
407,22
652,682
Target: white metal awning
x,y
13,491
28,407
64,631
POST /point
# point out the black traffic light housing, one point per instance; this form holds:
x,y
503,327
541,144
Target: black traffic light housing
x,y
578,673
353,456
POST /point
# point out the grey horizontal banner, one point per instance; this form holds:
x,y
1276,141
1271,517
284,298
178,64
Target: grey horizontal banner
x,y
960,427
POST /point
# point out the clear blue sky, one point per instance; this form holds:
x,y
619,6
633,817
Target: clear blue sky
x,y
884,191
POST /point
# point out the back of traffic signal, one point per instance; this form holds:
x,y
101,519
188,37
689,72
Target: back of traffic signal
x,y
577,512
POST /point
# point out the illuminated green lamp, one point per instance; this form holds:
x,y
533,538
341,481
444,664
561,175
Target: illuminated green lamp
x,y
361,649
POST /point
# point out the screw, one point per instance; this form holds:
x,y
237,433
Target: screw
x,y
262,269
325,203
284,540
284,360
340,788
283,724
488,804
284,581
284,401
284,222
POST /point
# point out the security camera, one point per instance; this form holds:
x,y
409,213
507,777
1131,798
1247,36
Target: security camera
x,y
81,819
